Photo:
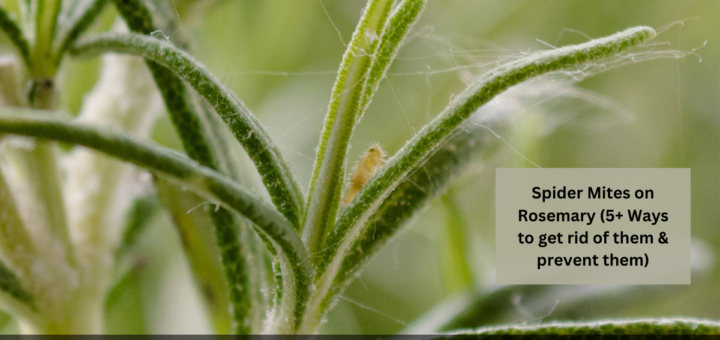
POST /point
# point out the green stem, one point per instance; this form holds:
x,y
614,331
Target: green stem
x,y
46,17
401,20
345,103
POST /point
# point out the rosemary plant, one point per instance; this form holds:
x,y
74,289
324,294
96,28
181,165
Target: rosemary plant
x,y
60,240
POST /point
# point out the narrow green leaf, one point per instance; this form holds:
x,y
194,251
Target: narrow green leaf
x,y
604,327
196,140
79,24
277,176
343,113
401,20
187,122
10,284
202,180
125,304
426,142
236,269
252,247
227,152
499,305
358,80
341,258
413,195
13,31
125,312
458,275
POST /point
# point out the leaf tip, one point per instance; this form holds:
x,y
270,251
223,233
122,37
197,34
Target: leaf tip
x,y
642,33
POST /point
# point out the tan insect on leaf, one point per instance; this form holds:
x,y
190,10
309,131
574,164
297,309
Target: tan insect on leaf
x,y
365,170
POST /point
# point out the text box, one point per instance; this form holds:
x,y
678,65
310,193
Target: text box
x,y
592,226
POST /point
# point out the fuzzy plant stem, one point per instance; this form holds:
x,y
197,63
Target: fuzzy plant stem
x,y
46,18
372,49
329,172
38,166
36,185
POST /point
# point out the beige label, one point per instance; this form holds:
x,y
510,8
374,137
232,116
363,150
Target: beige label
x,y
635,222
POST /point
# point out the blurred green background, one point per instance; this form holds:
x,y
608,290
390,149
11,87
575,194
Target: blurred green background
x,y
280,57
